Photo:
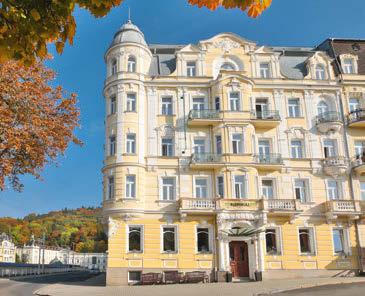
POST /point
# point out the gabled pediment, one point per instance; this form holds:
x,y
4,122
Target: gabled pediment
x,y
190,48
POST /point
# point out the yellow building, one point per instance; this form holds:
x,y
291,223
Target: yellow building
x,y
228,156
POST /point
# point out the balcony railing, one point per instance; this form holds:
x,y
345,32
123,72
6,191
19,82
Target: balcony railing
x,y
358,160
206,158
204,114
356,115
281,204
326,117
272,158
335,161
196,204
265,115
344,206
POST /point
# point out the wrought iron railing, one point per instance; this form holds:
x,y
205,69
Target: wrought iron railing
x,y
206,157
330,116
272,158
265,114
356,115
358,160
204,114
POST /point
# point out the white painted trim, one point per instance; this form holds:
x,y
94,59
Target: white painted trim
x,y
177,245
127,238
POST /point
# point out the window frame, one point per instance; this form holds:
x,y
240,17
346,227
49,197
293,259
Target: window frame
x,y
173,186
338,189
131,102
278,240
299,153
113,66
207,190
176,236
306,181
244,187
127,183
167,108
204,146
191,69
265,72
295,108
128,226
134,282
320,72
347,66
130,144
169,147
131,64
345,241
112,145
235,100
110,195
210,239
218,185
239,143
273,188
112,104
311,243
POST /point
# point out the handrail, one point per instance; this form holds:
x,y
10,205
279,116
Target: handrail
x,y
266,114
204,114
206,157
330,116
272,158
356,115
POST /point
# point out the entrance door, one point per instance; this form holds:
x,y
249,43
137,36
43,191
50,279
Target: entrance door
x,y
238,254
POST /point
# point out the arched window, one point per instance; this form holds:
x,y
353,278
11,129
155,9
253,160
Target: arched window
x,y
132,64
203,240
228,67
322,108
114,66
320,72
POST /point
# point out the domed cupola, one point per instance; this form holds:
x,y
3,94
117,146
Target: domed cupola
x,y
129,33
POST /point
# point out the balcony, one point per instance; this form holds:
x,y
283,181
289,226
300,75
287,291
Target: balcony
x,y
335,166
196,206
204,117
282,207
206,161
265,119
342,209
356,118
272,161
328,122
358,165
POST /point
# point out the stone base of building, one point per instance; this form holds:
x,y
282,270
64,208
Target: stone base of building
x,y
308,273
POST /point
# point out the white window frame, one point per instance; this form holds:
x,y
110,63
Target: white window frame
x,y
217,186
113,66
112,145
210,238
346,244
131,102
129,280
198,101
204,146
142,237
176,238
170,147
278,241
332,149
294,111
191,69
320,71
299,151
312,241
348,68
307,188
131,64
239,143
244,186
330,190
130,144
207,186
172,188
167,108
234,102
112,105
111,188
265,72
129,187
273,187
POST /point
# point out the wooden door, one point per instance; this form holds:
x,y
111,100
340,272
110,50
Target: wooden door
x,y
238,253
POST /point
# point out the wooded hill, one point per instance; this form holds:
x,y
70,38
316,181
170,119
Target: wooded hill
x,y
78,229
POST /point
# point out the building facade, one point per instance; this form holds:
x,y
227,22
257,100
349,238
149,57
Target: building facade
x,y
228,156
7,249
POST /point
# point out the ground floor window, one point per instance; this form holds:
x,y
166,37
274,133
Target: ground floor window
x,y
134,276
169,239
272,241
339,241
306,241
203,241
135,239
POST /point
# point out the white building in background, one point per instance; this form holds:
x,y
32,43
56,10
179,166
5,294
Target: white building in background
x,y
7,249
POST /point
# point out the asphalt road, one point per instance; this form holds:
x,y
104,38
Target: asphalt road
x,y
331,290
26,287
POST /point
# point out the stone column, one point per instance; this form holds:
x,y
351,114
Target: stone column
x,y
260,252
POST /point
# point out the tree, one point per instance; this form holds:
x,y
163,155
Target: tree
x,y
26,27
37,121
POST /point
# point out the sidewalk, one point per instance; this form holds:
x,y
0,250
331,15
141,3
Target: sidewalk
x,y
92,287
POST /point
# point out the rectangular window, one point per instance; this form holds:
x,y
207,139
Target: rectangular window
x,y
135,234
131,144
272,241
217,104
262,108
332,190
169,239
113,105
348,67
239,186
354,104
265,70
338,240
362,191
131,102
264,148
359,148
234,101
218,144
329,148
306,241
199,146
267,189
130,190
111,187
201,188
301,190
191,69
167,147
168,188
134,276
237,143
220,186
203,240
112,145
293,107
296,148
166,106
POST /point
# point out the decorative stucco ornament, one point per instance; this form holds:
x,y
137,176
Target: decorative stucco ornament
x,y
226,45
113,227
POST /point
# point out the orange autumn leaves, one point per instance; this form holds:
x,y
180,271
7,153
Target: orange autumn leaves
x,y
37,121
253,7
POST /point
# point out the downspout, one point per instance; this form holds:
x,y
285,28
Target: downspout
x,y
345,129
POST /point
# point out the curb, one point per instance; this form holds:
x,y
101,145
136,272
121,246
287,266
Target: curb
x,y
302,286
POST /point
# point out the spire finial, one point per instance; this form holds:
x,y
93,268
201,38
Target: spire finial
x,y
129,15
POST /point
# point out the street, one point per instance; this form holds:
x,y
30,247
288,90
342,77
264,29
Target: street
x,y
26,287
355,289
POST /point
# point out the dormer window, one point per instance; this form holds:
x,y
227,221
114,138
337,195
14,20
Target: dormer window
x,y
114,66
265,70
228,67
348,66
320,72
190,69
132,64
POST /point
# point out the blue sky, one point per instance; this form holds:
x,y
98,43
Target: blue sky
x,y
77,179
